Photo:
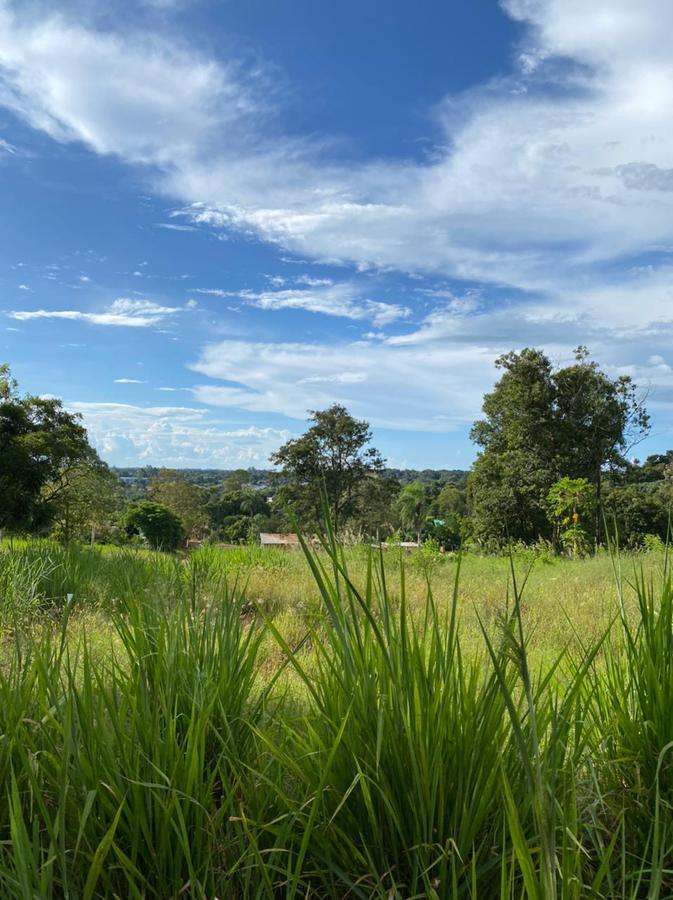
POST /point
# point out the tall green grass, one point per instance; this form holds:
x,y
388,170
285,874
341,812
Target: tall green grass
x,y
375,759
38,575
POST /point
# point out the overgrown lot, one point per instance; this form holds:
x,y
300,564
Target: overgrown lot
x,y
343,724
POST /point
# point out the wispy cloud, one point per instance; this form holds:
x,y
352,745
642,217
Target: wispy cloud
x,y
343,299
401,387
172,226
122,312
538,178
129,381
555,180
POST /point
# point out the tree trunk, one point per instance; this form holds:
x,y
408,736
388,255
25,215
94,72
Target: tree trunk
x,y
599,507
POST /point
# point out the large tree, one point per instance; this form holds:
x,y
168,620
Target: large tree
x,y
41,445
86,503
185,499
543,423
334,452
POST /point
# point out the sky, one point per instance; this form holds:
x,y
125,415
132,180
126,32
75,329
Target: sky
x,y
216,215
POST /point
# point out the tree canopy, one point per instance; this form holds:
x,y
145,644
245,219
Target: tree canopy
x,y
334,452
41,445
157,524
186,500
543,423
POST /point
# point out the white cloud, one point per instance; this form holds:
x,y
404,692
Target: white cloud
x,y
392,386
122,312
129,381
553,181
174,436
171,226
216,292
343,299
537,178
148,100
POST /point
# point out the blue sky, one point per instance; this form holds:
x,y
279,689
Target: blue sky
x,y
218,215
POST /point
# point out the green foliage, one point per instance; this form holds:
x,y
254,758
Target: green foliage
x,y
157,524
635,510
85,505
542,424
450,503
186,500
571,503
194,750
40,446
137,792
333,454
412,506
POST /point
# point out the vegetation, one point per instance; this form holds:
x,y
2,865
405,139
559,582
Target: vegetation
x,y
333,453
347,721
542,424
43,449
156,524
543,427
387,740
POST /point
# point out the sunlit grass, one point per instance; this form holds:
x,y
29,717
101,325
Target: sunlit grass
x,y
258,724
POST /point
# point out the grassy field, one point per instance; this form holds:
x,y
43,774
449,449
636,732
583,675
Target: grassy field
x,y
253,724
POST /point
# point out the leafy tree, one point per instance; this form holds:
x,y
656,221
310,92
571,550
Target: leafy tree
x,y
236,480
232,512
332,452
450,503
158,525
598,420
186,500
40,446
412,507
376,502
655,468
87,503
542,424
633,511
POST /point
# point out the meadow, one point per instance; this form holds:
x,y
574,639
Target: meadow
x,y
334,723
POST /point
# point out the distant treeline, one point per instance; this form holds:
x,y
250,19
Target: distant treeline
x,y
554,468
136,480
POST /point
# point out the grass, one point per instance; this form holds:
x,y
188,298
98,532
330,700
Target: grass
x,y
336,724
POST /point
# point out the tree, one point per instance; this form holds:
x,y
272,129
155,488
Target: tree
x,y
376,504
86,505
157,524
186,500
236,480
450,503
40,446
412,507
599,419
540,425
633,511
334,453
235,512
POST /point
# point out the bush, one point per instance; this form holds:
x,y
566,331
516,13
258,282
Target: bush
x,y
160,527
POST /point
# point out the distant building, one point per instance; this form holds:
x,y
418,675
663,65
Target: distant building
x,y
277,539
404,545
